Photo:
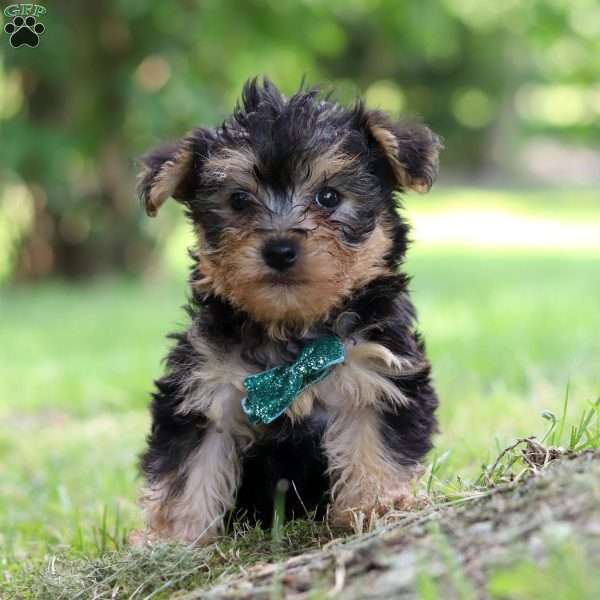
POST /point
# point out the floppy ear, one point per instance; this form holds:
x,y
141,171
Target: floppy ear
x,y
410,149
172,171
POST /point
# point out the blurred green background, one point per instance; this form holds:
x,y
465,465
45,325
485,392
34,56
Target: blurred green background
x,y
511,86
506,264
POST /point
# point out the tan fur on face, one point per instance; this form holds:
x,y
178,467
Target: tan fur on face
x,y
366,479
329,164
234,165
238,167
327,272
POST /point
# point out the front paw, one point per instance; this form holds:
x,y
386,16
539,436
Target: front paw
x,y
404,501
363,515
184,533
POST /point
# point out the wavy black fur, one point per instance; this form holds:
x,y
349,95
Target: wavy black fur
x,y
287,452
284,134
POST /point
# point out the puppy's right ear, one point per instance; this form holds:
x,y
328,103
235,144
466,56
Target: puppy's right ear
x,y
172,171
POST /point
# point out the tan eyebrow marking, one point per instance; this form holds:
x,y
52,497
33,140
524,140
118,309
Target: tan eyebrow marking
x,y
233,164
330,163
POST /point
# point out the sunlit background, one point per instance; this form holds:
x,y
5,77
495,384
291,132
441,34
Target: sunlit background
x,y
512,87
505,265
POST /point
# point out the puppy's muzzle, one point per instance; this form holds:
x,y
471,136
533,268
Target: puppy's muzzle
x,y
280,253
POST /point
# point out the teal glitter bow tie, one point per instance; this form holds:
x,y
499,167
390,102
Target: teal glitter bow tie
x,y
271,392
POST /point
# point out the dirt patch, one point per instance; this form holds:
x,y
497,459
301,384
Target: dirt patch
x,y
453,550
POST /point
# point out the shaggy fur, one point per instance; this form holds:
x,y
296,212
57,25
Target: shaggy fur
x,y
355,440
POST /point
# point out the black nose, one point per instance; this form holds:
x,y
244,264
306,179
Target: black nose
x,y
280,254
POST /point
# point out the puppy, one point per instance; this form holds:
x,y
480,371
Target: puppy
x,y
296,287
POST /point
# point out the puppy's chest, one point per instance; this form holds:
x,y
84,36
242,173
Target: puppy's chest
x,y
364,378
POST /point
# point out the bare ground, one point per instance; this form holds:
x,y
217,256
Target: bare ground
x,y
448,551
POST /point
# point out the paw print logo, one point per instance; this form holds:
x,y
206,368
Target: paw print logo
x,y
24,32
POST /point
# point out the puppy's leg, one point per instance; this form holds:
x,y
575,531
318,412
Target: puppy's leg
x,y
367,474
189,503
192,463
381,405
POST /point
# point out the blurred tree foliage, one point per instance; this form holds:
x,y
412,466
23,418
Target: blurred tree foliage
x,y
112,78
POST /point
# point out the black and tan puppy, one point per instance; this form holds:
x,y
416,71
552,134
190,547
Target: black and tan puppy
x,y
298,237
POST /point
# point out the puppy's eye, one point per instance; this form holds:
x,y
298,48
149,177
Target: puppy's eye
x,y
327,198
239,201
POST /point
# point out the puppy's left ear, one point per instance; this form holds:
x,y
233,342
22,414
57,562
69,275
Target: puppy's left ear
x,y
410,149
173,171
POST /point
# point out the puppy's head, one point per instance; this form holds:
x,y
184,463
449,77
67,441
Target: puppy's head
x,y
291,200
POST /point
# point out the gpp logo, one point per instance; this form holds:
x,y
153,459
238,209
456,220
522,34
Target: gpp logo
x,y
24,28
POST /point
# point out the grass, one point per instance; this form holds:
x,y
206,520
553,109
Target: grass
x,y
507,350
158,571
508,331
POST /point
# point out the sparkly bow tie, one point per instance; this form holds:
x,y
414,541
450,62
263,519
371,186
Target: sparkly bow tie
x,y
271,392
